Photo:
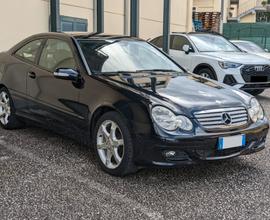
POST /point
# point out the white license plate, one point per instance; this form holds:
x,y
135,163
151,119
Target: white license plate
x,y
231,142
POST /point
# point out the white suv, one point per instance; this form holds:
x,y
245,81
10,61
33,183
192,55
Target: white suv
x,y
213,56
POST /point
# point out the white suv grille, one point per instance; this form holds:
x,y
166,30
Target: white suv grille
x,y
224,118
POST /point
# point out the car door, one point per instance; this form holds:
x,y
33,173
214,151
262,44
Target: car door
x,y
53,100
177,52
20,63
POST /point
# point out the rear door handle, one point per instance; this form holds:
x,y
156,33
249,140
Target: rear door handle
x,y
32,75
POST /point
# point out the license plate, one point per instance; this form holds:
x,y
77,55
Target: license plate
x,y
231,142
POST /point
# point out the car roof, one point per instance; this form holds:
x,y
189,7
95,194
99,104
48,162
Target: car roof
x,y
69,35
83,35
198,32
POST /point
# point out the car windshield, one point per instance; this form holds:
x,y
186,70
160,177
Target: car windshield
x,y
212,43
249,47
124,55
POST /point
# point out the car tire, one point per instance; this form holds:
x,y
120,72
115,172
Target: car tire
x,y
207,73
255,92
8,118
113,145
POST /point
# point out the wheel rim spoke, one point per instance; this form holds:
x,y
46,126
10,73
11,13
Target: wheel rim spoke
x,y
5,110
102,146
116,155
112,131
105,132
6,118
119,142
108,158
4,97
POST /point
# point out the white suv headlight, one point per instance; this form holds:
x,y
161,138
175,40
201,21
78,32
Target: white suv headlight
x,y
167,120
255,111
227,65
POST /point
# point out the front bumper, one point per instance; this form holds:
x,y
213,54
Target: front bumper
x,y
198,148
246,82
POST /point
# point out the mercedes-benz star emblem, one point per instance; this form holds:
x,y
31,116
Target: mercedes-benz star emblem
x,y
226,118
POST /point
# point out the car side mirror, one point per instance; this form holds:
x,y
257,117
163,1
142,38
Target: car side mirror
x,y
66,74
266,50
187,49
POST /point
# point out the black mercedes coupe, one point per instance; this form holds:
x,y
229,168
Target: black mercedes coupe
x,y
128,100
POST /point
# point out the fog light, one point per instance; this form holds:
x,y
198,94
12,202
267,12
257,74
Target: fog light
x,y
170,154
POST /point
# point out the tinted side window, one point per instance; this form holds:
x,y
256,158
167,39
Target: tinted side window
x,y
30,50
57,54
158,41
179,42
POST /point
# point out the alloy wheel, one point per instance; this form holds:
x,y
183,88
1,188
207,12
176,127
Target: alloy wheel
x,y
206,75
110,144
5,110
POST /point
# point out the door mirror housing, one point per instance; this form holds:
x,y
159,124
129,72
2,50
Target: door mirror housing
x,y
187,49
66,74
266,50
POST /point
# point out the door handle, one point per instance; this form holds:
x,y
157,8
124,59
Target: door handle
x,y
32,75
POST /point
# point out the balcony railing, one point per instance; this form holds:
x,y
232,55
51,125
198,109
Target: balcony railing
x,y
249,6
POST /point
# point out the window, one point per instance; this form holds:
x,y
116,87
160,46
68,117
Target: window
x,y
30,50
212,43
158,42
73,24
124,55
179,42
57,54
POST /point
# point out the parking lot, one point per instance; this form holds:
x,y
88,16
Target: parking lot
x,y
46,176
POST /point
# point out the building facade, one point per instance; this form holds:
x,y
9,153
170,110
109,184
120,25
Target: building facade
x,y
19,19
249,11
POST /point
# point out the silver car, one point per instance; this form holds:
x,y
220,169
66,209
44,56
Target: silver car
x,y
252,48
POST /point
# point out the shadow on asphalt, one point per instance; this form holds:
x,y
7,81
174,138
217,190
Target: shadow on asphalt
x,y
218,171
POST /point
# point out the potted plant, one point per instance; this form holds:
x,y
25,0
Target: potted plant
x,y
264,3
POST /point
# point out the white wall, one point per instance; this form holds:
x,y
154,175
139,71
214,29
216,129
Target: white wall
x,y
151,17
21,18
114,16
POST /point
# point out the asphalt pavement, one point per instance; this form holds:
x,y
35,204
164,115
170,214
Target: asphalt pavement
x,y
47,176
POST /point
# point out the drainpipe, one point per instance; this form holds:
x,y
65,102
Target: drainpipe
x,y
55,16
134,18
221,17
166,25
100,16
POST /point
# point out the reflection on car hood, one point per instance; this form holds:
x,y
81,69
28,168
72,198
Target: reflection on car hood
x,y
263,54
188,90
238,57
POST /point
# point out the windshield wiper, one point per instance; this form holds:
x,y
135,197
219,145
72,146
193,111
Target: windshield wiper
x,y
135,71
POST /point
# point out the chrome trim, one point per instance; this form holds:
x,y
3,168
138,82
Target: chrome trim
x,y
212,119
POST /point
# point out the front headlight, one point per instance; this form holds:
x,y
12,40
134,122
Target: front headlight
x,y
255,111
227,65
167,120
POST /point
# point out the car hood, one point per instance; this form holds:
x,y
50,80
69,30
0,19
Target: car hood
x,y
263,54
187,92
238,57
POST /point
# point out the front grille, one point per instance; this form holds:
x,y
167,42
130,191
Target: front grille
x,y
224,118
256,73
